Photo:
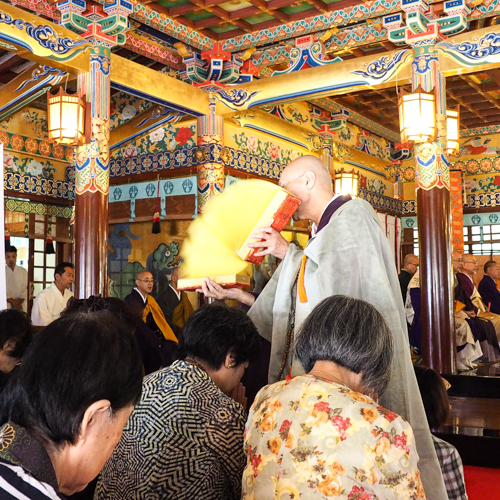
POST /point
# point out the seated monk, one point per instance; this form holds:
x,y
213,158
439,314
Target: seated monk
x,y
468,348
488,286
482,329
465,276
141,300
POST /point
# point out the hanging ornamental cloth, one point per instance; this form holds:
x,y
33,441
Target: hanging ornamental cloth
x,y
49,245
156,218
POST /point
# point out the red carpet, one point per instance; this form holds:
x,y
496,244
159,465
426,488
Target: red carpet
x,y
482,483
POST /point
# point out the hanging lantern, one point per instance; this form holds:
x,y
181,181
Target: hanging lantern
x,y
453,131
65,116
347,182
417,116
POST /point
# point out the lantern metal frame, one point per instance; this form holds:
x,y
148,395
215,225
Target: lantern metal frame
x,y
421,126
344,176
58,106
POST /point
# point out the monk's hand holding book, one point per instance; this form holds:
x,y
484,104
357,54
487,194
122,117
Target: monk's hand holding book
x,y
271,243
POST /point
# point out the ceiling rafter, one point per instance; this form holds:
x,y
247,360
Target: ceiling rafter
x,y
466,105
369,113
478,89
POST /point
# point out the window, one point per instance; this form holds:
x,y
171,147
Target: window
x,y
43,267
482,240
478,240
416,248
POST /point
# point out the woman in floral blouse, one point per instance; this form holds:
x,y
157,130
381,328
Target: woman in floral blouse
x,y
323,435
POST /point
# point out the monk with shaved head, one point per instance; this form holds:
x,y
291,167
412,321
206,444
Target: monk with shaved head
x,y
348,254
157,341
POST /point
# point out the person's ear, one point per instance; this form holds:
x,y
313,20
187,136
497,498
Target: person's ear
x,y
230,361
92,418
9,346
310,179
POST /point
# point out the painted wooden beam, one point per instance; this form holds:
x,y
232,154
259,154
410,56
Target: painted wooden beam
x,y
27,87
37,39
141,124
266,123
333,79
162,89
378,71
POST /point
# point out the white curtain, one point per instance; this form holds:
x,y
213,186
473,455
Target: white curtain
x,y
391,225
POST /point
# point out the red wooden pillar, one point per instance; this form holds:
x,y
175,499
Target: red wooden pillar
x,y
92,183
434,223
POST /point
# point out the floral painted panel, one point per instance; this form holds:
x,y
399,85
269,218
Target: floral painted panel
x,y
125,107
164,138
267,149
37,147
30,122
372,184
482,184
37,167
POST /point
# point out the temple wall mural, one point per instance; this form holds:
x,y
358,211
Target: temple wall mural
x,y
184,113
166,137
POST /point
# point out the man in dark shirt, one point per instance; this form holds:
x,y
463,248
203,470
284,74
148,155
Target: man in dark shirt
x,y
410,266
488,286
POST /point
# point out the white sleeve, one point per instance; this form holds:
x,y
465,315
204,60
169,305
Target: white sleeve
x,y
40,315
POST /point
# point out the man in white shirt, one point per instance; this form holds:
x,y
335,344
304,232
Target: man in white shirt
x,y
51,302
17,281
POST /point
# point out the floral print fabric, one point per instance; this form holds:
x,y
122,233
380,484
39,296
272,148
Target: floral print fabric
x,y
312,439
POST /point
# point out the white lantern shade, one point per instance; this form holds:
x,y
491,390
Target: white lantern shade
x,y
66,120
347,182
452,131
417,116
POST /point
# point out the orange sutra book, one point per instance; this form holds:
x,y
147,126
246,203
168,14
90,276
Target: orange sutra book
x,y
216,246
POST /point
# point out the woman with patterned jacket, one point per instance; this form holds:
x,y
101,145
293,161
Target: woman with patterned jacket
x,y
322,434
184,440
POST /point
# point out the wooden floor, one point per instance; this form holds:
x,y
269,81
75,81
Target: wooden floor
x,y
474,413
473,425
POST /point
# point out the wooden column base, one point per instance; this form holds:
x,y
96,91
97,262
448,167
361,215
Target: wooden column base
x,y
91,245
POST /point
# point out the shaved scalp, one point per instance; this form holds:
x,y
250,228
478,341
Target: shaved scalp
x,y
408,258
470,258
141,274
314,164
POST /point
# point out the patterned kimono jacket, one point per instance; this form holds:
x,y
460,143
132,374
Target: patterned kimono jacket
x,y
309,438
351,256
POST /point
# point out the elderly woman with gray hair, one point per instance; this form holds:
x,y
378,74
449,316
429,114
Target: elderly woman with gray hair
x,y
323,434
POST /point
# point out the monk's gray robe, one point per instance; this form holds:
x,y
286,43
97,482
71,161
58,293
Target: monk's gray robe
x,y
351,256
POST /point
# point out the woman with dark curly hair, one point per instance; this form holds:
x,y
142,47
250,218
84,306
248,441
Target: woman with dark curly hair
x,y
184,440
